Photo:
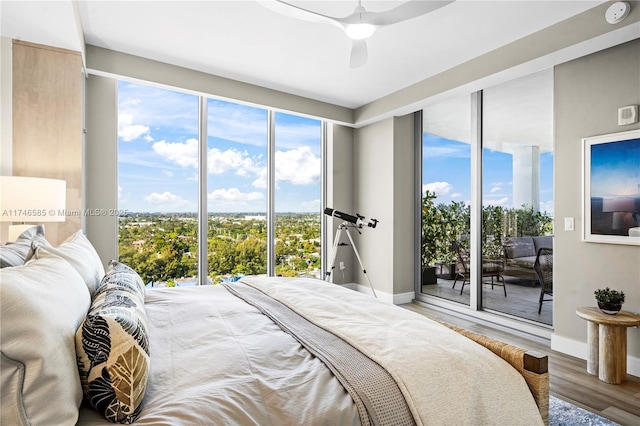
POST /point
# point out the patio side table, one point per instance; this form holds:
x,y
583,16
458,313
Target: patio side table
x,y
607,343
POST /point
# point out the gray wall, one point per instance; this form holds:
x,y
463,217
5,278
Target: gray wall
x,y
384,190
114,64
373,198
101,164
339,195
588,93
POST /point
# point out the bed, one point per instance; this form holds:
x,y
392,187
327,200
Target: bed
x,y
261,351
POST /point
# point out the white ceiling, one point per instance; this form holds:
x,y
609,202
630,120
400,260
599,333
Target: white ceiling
x,y
245,41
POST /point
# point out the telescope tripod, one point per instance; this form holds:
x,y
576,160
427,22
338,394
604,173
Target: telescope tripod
x,y
344,226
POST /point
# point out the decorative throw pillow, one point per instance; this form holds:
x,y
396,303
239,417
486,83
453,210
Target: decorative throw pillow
x,y
112,346
17,253
79,252
42,305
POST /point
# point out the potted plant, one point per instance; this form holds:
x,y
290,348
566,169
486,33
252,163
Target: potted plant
x,y
609,301
432,232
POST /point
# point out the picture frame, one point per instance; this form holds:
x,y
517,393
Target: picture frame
x,y
611,188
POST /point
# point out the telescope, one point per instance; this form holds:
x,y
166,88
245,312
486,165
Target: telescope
x,y
357,220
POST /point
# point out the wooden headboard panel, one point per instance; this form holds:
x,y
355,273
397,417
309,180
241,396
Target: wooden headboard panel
x,y
47,123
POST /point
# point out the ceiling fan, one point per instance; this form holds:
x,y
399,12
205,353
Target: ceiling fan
x,y
360,24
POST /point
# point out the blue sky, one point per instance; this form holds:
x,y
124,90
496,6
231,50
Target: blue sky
x,y
446,170
615,169
157,158
158,152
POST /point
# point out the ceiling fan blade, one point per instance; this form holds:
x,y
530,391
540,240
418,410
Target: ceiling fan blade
x,y
408,10
293,11
359,54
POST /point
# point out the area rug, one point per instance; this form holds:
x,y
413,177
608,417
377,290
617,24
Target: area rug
x,y
562,413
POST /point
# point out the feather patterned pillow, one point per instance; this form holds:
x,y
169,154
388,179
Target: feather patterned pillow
x,y
112,346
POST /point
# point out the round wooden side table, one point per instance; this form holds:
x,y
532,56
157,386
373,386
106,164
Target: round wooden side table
x,y
607,343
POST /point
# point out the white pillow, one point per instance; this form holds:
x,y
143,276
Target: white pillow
x,y
79,252
18,252
42,305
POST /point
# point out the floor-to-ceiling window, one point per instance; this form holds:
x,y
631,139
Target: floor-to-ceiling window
x,y
236,190
298,173
514,178
157,166
163,151
446,198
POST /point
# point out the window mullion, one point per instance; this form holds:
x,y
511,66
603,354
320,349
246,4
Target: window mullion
x,y
271,191
203,217
475,278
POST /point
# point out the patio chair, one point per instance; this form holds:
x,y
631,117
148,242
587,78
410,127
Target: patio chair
x,y
544,270
490,268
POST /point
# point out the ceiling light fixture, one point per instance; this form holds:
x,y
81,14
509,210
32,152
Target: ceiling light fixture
x,y
360,24
359,31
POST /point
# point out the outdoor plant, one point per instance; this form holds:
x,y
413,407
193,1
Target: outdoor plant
x,y
444,223
432,229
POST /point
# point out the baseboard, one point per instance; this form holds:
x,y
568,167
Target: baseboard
x,y
580,350
396,299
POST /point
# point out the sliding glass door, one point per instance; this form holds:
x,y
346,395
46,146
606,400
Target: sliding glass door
x,y
517,194
497,143
446,200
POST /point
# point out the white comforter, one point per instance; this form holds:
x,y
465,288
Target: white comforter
x,y
215,360
446,378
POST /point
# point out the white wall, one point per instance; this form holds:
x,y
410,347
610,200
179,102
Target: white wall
x,y
588,92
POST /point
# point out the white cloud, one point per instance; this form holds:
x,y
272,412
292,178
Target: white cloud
x,y
498,202
297,166
167,199
496,189
233,195
129,131
439,188
119,191
456,195
183,154
218,162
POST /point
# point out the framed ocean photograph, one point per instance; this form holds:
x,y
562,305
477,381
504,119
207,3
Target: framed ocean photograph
x,y
611,188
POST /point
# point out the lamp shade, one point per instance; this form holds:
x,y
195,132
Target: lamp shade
x,y
618,204
32,199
